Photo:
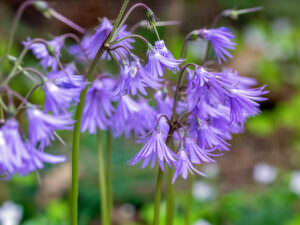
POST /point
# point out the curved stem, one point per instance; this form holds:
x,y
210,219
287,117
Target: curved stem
x,y
13,30
145,23
77,40
20,59
132,36
157,197
102,181
78,115
109,176
185,43
67,21
127,15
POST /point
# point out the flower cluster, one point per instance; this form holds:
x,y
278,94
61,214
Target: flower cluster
x,y
198,115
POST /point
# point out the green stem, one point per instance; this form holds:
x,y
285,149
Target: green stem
x,y
121,23
109,175
78,115
157,197
189,199
102,182
13,32
170,199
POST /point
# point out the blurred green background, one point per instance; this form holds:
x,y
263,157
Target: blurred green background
x,y
255,183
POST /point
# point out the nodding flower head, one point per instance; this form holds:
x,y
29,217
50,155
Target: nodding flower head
x,y
57,98
221,40
48,54
94,42
155,149
98,105
134,78
160,58
183,166
42,126
67,79
18,156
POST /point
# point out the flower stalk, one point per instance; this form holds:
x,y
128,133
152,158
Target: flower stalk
x,y
102,182
77,125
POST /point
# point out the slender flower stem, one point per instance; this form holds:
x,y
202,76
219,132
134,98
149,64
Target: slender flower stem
x,y
78,115
20,59
132,36
145,23
157,197
67,21
170,187
102,182
189,199
128,14
170,199
13,31
109,176
185,43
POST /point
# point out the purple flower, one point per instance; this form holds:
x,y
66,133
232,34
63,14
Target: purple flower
x,y
160,58
155,148
126,108
93,43
98,105
197,155
134,78
19,157
209,135
204,88
67,79
42,126
47,54
58,99
220,39
243,103
183,166
141,121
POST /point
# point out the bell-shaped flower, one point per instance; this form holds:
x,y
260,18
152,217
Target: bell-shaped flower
x,y
155,149
47,54
183,166
221,40
42,126
18,156
98,105
160,58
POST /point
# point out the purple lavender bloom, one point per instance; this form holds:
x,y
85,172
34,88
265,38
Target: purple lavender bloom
x,y
243,103
19,157
196,154
141,121
204,87
67,79
98,105
47,54
125,110
42,126
160,58
93,44
134,78
58,99
220,39
155,147
183,166
208,135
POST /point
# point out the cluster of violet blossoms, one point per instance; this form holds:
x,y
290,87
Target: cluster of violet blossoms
x,y
198,115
